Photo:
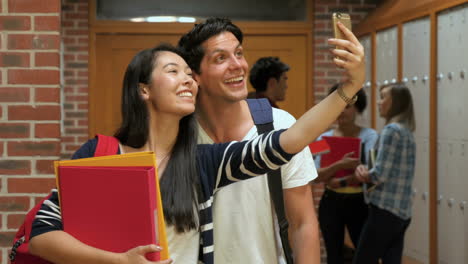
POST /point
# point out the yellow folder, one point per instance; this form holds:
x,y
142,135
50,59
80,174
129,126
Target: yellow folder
x,y
127,160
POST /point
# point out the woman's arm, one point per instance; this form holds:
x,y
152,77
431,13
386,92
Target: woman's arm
x,y
322,115
59,247
387,152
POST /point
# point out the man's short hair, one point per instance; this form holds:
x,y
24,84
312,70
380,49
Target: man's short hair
x,y
191,43
264,69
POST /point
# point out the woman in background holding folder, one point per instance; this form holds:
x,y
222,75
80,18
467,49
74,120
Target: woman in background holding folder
x,y
390,201
342,205
158,102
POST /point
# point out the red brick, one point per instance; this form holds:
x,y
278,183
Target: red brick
x,y
47,59
76,32
83,24
14,59
14,221
47,131
83,123
14,203
1,151
45,166
26,112
14,94
33,41
18,76
14,130
39,199
33,6
15,23
15,167
76,16
47,23
83,73
33,148
6,238
30,185
67,24
51,95
68,41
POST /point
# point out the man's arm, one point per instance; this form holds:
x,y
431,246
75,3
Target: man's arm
x,y
303,225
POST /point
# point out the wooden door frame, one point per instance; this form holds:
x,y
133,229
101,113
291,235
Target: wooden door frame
x,y
101,27
396,13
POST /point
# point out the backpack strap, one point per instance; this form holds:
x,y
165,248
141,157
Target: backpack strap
x,y
106,145
262,114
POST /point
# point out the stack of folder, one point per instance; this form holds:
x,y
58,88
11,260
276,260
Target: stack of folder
x,y
340,146
113,202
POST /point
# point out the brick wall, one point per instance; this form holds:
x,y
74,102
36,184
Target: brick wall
x,y
75,55
29,108
325,72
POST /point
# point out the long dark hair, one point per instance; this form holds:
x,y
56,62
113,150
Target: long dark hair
x,y
401,110
179,182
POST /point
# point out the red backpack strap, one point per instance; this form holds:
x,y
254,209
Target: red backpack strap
x,y
106,145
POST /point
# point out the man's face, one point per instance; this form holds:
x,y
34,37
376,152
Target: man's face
x,y
223,69
280,87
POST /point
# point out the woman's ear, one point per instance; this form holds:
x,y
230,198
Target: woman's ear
x,y
144,91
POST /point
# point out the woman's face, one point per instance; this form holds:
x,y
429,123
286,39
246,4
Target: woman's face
x,y
385,102
172,88
348,115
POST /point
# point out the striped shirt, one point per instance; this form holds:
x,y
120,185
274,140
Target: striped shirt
x,y
394,171
219,165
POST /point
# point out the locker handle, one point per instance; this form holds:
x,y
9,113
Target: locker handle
x,y
415,79
462,205
450,75
385,82
462,74
405,80
424,196
450,202
425,78
440,76
393,80
439,199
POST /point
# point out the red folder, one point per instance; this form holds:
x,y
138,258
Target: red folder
x,y
339,146
111,208
319,147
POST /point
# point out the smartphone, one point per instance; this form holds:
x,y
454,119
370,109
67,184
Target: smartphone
x,y
345,19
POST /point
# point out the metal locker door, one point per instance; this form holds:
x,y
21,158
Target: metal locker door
x,y
387,53
415,63
365,118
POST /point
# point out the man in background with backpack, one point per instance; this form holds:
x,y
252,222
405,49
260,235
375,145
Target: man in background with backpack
x,y
244,221
269,78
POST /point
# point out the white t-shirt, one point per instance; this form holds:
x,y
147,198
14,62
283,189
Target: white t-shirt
x,y
245,230
183,247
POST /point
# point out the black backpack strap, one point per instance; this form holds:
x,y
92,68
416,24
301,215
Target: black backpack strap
x,y
262,115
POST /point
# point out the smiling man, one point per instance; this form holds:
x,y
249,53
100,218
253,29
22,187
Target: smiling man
x,y
245,228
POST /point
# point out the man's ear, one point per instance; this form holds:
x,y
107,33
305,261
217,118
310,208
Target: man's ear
x,y
271,83
144,91
196,77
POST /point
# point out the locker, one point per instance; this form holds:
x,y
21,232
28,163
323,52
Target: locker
x,y
386,68
416,65
452,128
365,118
